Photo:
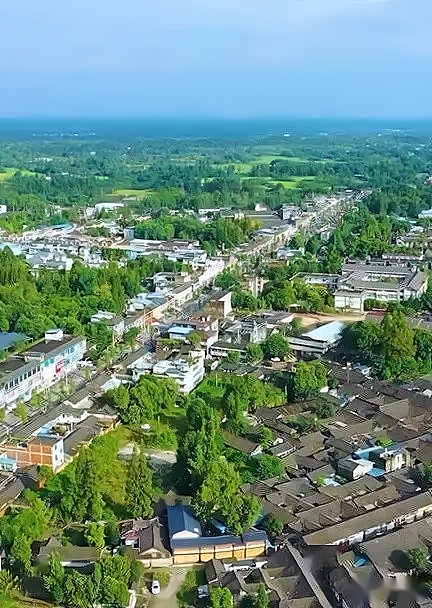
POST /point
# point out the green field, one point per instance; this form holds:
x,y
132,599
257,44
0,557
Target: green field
x,y
8,172
286,183
129,192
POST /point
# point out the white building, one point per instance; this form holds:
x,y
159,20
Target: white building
x,y
39,367
186,371
385,282
317,341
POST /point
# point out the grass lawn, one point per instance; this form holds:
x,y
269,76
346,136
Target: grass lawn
x,y
8,172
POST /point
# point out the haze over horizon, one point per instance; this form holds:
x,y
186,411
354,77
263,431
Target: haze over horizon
x,y
224,59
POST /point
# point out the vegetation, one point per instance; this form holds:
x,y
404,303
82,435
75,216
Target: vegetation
x,y
393,347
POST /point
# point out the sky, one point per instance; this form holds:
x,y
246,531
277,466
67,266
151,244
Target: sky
x,y
216,58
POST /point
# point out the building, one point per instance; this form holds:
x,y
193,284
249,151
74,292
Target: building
x,y
220,303
317,341
45,450
186,370
113,322
189,546
381,281
374,523
354,468
142,539
182,523
40,366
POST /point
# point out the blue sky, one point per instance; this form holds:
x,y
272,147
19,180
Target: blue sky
x,y
216,58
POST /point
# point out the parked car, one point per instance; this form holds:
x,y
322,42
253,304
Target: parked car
x,y
155,587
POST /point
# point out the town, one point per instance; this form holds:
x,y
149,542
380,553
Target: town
x,y
329,460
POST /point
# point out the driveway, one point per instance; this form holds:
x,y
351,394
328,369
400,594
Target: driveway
x,y
167,597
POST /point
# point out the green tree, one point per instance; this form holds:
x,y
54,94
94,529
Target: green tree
x,y
418,559
273,525
276,345
221,598
254,353
261,599
95,535
139,487
21,554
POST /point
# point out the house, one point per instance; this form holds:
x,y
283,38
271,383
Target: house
x,y
379,280
10,489
186,370
182,522
220,303
240,444
390,458
353,468
388,553
144,537
188,545
70,556
41,450
347,592
317,341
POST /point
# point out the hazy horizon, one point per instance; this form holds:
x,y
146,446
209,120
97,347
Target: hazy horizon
x,y
216,59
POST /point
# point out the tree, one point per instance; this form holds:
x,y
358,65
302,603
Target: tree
x,y
221,598
254,353
233,356
130,336
273,525
139,487
261,599
194,339
265,437
270,466
418,559
21,553
95,535
276,345
308,378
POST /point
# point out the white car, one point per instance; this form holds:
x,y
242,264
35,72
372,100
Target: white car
x,y
155,587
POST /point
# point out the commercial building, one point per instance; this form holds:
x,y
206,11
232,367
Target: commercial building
x,y
40,366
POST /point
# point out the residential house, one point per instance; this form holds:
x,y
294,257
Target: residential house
x,y
144,537
70,556
188,545
354,468
375,523
42,450
241,444
378,280
348,593
186,370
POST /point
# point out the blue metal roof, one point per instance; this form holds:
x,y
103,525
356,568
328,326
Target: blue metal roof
x,y
375,472
181,519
